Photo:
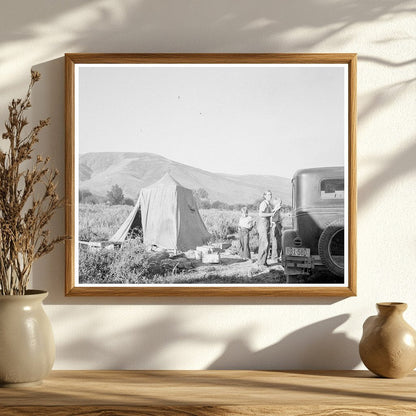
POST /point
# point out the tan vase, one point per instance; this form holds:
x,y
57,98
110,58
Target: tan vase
x,y
27,347
388,344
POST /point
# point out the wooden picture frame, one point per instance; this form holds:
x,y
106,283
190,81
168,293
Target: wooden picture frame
x,y
76,120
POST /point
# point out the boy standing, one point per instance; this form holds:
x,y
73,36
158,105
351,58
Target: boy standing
x,y
245,224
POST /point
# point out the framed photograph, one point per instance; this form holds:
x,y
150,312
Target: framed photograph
x,y
211,174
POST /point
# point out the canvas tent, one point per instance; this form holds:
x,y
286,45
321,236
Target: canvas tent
x,y
169,217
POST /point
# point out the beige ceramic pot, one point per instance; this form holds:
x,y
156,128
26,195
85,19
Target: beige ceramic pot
x,y
27,347
388,344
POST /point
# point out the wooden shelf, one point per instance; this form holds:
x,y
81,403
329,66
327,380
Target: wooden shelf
x,y
203,393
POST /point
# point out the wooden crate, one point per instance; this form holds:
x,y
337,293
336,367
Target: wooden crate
x,y
211,258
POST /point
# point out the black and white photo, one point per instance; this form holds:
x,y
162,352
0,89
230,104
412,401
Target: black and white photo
x,y
211,175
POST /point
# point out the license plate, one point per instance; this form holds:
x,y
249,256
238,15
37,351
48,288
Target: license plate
x,y
298,251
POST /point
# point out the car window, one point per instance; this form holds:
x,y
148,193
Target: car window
x,y
332,189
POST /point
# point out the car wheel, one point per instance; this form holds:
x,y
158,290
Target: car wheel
x,y
331,247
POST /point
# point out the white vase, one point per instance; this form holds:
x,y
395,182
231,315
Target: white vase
x,y
27,347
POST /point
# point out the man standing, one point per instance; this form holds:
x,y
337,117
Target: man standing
x,y
263,226
276,231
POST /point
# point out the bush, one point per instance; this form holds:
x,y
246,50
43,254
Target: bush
x,y
115,195
219,205
82,194
204,204
130,264
95,266
201,193
133,264
128,201
91,199
255,205
237,207
220,224
87,197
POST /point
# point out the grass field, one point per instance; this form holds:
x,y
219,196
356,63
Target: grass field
x,y
133,264
99,222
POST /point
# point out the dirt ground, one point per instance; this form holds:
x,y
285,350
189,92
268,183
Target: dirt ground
x,y
234,270
231,270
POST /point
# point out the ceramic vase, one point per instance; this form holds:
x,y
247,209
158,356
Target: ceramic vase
x,y
27,347
388,345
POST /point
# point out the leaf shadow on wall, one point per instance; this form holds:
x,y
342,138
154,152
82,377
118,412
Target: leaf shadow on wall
x,y
118,347
315,346
397,166
152,345
150,26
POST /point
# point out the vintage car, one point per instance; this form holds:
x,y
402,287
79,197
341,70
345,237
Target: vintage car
x,y
316,239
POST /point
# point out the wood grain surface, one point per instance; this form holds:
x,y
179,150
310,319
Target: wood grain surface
x,y
203,393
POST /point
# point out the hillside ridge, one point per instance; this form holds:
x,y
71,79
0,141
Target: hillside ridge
x,y
98,171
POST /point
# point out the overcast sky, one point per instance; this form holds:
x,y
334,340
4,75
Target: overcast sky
x,y
239,120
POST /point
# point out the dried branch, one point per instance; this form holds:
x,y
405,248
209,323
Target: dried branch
x,y
23,217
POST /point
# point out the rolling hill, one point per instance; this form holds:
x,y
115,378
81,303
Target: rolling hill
x,y
133,171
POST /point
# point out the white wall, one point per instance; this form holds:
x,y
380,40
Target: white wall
x,y
197,333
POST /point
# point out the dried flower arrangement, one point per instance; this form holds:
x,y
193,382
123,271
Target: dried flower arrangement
x,y
28,199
